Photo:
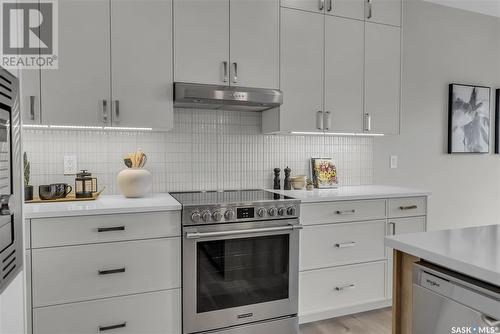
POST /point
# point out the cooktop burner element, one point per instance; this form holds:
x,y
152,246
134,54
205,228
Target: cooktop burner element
x,y
214,207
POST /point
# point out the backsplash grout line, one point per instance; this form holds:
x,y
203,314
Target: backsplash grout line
x,y
206,150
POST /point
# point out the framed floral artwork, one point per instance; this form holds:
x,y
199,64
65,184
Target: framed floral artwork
x,y
324,173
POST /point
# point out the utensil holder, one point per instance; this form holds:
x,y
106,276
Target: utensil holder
x,y
135,182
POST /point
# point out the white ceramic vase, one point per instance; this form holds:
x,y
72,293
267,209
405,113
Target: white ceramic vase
x,y
135,182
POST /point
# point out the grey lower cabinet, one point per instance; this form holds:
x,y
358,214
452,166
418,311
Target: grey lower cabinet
x,y
115,67
91,274
227,42
337,73
344,265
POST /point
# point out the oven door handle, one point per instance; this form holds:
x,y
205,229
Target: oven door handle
x,y
198,235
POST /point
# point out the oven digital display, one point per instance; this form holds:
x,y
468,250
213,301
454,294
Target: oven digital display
x,y
244,213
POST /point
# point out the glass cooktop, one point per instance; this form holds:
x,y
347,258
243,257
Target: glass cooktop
x,y
227,197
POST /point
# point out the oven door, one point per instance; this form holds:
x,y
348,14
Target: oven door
x,y
239,273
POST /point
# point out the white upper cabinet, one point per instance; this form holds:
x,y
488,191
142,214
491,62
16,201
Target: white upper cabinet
x,y
309,5
201,41
384,11
141,46
354,9
382,78
302,56
30,97
115,67
76,93
344,77
254,41
229,42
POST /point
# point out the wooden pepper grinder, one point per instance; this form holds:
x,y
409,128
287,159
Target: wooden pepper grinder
x,y
288,182
277,181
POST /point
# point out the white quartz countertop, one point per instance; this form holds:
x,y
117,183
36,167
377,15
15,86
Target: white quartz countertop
x,y
104,204
351,193
473,251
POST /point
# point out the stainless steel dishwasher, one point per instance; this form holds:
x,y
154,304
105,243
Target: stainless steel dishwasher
x,y
447,302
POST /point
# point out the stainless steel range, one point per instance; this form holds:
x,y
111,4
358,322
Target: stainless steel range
x,y
240,262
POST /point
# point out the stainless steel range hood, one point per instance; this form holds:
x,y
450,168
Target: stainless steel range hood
x,y
200,96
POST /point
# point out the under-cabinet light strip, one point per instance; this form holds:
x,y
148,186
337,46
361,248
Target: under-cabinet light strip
x,y
84,127
345,134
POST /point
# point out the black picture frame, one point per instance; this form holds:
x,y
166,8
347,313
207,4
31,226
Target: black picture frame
x,y
451,108
497,121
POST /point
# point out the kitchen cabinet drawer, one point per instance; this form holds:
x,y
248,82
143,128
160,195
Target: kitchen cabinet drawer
x,y
334,288
158,312
337,244
406,207
335,212
49,232
77,273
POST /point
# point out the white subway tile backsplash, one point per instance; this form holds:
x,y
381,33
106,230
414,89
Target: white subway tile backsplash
x,y
206,150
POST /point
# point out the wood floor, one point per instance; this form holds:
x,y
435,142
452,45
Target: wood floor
x,y
373,322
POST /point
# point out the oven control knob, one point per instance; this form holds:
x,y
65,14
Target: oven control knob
x,y
273,212
291,211
261,212
195,217
206,216
217,216
229,215
281,211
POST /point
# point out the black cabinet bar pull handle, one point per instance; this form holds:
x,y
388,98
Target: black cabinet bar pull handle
x,y
111,271
111,229
409,207
107,328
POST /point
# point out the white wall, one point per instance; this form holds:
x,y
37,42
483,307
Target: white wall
x,y
443,45
12,307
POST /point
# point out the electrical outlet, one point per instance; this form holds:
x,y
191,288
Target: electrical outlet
x,y
70,167
394,161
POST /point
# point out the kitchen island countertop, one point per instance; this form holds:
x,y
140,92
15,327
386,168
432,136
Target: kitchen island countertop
x,y
105,204
473,251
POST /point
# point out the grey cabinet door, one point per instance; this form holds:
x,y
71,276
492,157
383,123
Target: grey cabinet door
x,y
73,94
382,77
141,60
309,5
302,56
354,9
254,43
384,11
30,97
344,74
201,41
